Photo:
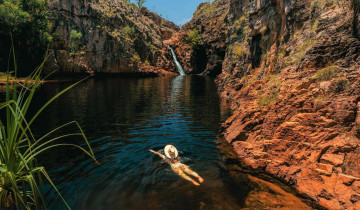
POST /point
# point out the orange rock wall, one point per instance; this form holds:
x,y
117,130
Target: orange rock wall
x,y
291,69
292,72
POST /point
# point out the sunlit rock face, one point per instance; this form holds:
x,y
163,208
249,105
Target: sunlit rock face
x,y
291,69
116,37
207,55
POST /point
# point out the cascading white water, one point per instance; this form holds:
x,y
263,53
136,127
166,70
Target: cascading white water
x,y
177,63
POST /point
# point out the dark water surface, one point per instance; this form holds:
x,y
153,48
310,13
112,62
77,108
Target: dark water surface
x,y
125,117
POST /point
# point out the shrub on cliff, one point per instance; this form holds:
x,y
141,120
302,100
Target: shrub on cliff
x,y
140,3
326,74
130,32
194,38
28,23
265,100
75,40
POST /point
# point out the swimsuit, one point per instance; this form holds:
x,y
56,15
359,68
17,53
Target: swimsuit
x,y
177,165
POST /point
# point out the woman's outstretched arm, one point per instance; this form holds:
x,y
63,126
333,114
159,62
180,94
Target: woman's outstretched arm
x,y
161,155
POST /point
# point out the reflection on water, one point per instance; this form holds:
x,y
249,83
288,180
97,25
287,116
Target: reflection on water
x,y
124,118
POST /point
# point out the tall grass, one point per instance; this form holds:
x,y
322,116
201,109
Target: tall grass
x,y
21,178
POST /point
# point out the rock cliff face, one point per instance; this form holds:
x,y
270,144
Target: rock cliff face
x,y
291,69
116,37
201,43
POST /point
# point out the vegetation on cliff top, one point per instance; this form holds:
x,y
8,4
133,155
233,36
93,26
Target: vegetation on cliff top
x,y
28,23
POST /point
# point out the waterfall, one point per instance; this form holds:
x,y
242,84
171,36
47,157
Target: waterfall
x,y
177,63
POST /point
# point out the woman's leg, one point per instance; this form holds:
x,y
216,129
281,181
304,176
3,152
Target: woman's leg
x,y
193,173
183,175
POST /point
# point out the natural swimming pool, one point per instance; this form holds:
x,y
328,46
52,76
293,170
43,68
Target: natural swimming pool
x,y
125,117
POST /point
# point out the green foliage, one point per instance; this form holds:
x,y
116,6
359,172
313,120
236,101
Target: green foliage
x,y
239,22
130,32
194,38
245,33
21,177
266,100
206,8
150,46
322,4
12,15
281,52
75,35
314,26
28,23
272,89
75,40
140,3
136,58
107,12
3,75
147,63
299,53
238,50
326,74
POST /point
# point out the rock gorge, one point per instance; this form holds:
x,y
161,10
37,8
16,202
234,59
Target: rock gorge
x,y
290,68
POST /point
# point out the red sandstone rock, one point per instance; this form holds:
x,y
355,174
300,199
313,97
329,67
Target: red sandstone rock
x,y
333,159
307,135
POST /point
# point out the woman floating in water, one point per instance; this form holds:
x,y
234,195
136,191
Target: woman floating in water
x,y
179,168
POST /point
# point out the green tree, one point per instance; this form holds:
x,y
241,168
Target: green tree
x,y
194,38
75,40
140,3
27,21
130,32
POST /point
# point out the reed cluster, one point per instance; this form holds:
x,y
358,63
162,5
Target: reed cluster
x,y
21,176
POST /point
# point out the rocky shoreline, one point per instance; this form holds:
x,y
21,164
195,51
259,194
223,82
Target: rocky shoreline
x,y
292,71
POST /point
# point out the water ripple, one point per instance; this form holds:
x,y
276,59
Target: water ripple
x,y
124,118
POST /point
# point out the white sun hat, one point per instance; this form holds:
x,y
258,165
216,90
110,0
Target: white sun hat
x,y
171,149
